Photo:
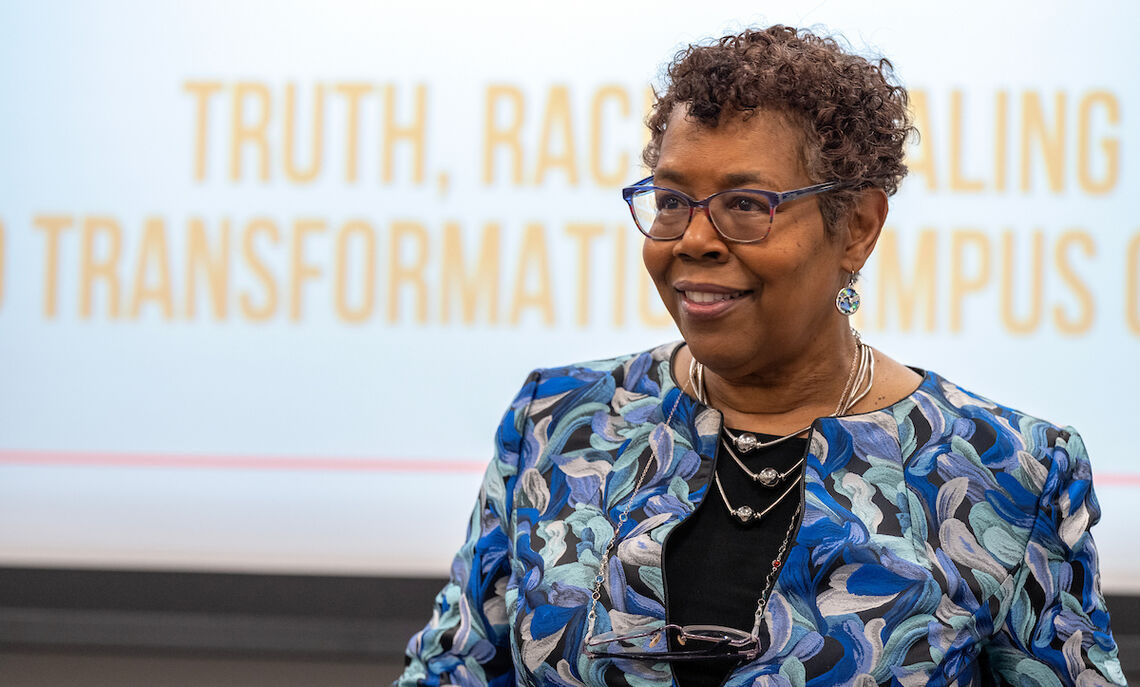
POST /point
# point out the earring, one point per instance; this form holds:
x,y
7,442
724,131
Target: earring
x,y
847,300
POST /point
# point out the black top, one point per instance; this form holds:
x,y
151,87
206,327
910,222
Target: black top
x,y
715,565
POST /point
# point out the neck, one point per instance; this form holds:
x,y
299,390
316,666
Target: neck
x,y
780,396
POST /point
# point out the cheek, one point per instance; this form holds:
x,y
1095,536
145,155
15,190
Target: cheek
x,y
656,256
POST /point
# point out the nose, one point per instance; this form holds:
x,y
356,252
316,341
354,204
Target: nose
x,y
701,240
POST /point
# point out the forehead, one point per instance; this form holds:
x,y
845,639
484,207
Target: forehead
x,y
764,149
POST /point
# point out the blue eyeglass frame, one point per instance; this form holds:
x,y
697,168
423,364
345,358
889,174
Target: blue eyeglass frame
x,y
774,199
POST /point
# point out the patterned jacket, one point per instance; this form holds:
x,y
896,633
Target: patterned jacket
x,y
944,540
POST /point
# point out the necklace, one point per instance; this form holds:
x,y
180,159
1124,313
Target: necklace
x,y
603,562
768,477
747,513
761,601
861,376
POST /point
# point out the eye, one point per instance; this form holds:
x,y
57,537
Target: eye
x,y
746,203
667,202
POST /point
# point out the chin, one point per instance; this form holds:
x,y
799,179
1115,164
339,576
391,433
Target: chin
x,y
718,354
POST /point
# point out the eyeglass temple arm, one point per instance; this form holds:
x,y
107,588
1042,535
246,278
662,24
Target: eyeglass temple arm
x,y
785,196
810,190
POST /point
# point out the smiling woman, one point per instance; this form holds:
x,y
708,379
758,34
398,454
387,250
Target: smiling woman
x,y
727,296
771,501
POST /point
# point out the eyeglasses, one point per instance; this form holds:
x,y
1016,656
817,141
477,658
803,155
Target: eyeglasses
x,y
743,215
696,642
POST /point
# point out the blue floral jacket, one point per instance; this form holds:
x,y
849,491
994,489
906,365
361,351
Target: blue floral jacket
x,y
944,540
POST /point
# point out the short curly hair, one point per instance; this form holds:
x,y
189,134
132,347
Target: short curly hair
x,y
853,112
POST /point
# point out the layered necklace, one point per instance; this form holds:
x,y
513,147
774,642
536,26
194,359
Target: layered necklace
x,y
859,380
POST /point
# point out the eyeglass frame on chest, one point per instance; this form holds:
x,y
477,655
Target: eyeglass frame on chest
x,y
720,641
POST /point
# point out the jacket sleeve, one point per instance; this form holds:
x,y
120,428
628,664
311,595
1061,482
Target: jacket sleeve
x,y
467,640
1057,625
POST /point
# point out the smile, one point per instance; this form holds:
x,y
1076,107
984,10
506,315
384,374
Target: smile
x,y
711,297
708,301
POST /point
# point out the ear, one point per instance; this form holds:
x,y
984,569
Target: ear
x,y
864,224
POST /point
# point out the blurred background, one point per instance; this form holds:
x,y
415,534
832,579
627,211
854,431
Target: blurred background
x,y
270,272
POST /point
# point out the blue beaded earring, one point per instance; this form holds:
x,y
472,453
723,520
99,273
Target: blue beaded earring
x,y
847,300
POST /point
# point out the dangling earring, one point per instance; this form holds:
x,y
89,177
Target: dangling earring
x,y
847,300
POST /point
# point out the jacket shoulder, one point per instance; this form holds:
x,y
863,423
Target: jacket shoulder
x,y
954,403
645,373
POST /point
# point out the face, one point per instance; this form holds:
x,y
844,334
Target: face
x,y
745,308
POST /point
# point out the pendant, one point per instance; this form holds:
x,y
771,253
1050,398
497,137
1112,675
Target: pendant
x,y
746,442
847,301
769,477
744,513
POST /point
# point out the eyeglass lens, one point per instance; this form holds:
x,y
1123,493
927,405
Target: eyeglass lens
x,y
742,215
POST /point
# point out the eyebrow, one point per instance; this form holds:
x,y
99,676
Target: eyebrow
x,y
731,180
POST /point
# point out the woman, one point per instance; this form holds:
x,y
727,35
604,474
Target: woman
x,y
771,501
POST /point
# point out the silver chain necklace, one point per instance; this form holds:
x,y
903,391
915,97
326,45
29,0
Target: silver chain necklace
x,y
860,376
747,514
603,563
696,378
769,476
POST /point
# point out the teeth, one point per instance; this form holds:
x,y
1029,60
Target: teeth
x,y
707,297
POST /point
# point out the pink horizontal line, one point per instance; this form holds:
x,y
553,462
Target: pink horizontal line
x,y
1116,479
234,462
247,462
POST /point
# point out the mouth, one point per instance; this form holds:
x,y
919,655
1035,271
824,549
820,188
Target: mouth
x,y
704,301
707,297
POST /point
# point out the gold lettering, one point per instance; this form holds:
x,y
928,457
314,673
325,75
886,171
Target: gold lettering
x,y
919,292
301,271
557,122
412,133
201,90
367,236
1050,143
52,226
259,225
1032,321
961,283
1001,140
411,273
308,174
1083,322
621,268
534,258
1110,146
105,268
508,136
215,265
922,164
471,285
597,140
584,234
1132,284
958,181
352,92
153,257
256,133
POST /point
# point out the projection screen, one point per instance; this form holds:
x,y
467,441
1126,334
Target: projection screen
x,y
270,272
